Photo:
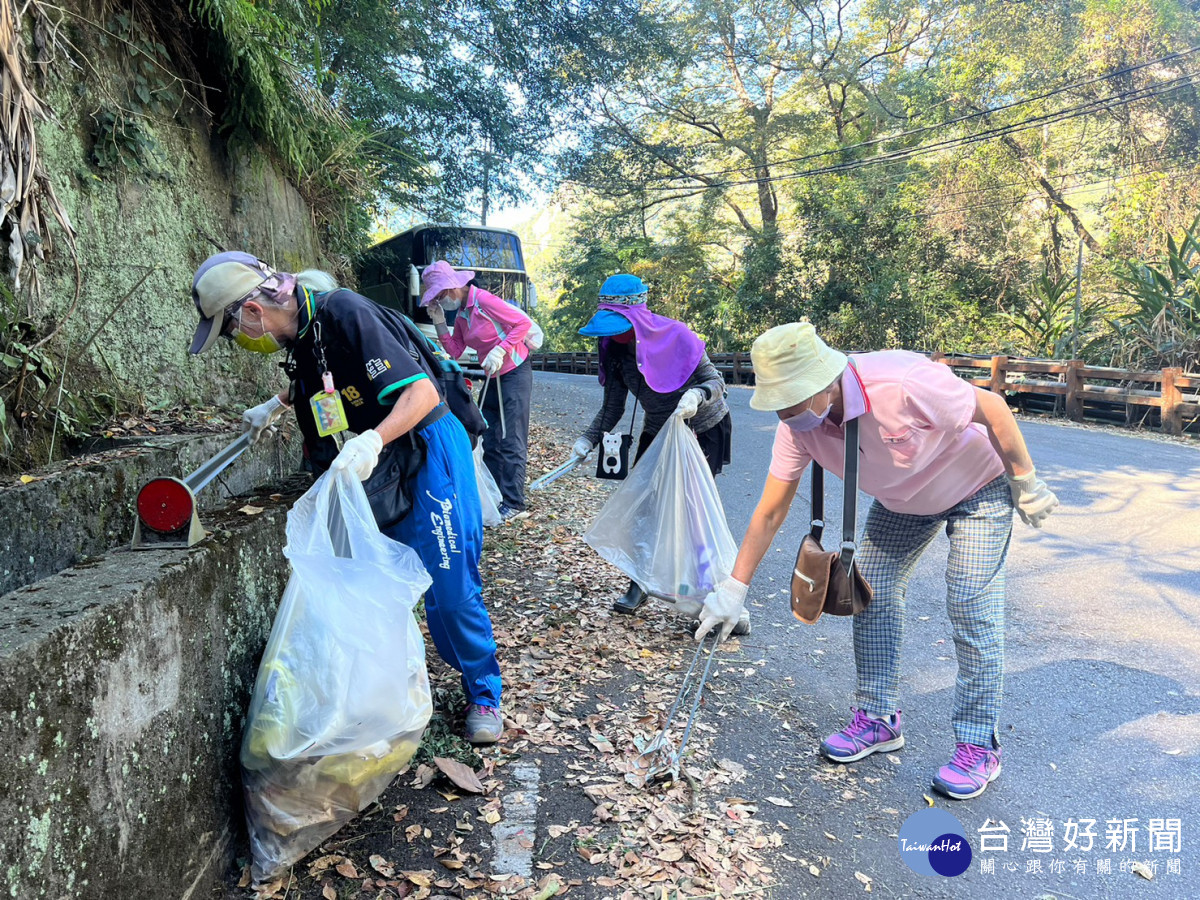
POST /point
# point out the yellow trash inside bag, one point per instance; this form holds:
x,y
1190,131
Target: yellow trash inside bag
x,y
342,695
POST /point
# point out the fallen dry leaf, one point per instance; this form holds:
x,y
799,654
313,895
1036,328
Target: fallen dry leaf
x,y
462,775
382,866
249,510
328,892
346,869
780,801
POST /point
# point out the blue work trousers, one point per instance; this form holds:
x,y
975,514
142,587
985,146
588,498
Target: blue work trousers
x,y
445,528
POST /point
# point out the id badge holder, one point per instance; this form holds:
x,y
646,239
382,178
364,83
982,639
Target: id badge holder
x,y
327,409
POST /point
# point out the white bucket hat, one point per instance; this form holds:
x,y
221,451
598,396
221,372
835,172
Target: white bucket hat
x,y
792,364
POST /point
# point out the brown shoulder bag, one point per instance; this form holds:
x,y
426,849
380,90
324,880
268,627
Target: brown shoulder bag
x,y
824,581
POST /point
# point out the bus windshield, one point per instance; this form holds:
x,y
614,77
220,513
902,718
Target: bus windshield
x,y
388,272
470,248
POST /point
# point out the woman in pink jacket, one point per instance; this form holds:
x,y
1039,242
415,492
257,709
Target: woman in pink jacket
x,y
496,330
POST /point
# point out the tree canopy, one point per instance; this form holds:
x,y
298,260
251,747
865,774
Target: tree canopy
x,y
902,172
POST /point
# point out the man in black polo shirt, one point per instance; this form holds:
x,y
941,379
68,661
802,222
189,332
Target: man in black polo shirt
x,y
355,369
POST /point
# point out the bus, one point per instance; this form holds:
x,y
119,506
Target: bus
x,y
390,272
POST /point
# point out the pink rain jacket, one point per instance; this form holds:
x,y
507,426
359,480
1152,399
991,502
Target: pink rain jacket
x,y
485,321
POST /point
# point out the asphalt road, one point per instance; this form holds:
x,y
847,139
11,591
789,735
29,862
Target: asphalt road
x,y
1101,717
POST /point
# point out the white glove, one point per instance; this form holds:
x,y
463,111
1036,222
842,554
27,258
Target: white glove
x,y
258,419
582,448
360,455
689,403
723,607
436,314
1033,500
494,360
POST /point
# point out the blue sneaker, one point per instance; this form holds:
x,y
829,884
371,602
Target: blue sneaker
x,y
508,513
862,737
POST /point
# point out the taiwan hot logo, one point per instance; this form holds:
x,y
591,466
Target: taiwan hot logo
x,y
933,842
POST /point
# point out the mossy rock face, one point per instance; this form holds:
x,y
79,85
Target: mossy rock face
x,y
165,211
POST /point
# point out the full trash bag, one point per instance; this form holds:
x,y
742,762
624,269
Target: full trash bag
x,y
489,492
665,526
342,694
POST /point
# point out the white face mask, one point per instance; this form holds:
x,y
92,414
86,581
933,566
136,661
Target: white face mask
x,y
808,420
448,304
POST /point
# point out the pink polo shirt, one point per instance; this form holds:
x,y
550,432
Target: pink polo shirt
x,y
920,452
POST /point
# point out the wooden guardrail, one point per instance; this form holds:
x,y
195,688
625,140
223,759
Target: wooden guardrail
x,y
1081,386
1081,389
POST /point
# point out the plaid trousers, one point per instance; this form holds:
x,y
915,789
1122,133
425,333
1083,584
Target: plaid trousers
x,y
979,529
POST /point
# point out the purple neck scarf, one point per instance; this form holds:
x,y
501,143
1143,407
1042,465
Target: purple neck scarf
x,y
667,351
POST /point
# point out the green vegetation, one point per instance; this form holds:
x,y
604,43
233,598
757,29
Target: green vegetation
x,y
906,173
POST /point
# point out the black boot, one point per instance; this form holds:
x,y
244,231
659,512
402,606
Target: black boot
x,y
632,601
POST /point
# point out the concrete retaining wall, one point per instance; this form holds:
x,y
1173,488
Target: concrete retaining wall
x,y
79,511
123,685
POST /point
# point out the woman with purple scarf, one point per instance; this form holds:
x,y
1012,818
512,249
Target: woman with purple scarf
x,y
663,364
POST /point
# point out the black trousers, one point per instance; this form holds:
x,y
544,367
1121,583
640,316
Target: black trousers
x,y
716,443
505,456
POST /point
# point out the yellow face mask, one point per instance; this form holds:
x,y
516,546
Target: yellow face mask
x,y
264,343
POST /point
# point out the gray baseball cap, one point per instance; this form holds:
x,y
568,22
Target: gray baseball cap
x,y
223,281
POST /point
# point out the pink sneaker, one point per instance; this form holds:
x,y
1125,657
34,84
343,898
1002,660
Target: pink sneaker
x,y
969,773
862,737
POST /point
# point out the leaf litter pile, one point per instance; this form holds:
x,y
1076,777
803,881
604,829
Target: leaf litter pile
x,y
584,688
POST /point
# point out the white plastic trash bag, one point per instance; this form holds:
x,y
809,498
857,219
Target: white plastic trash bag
x,y
489,492
665,526
342,694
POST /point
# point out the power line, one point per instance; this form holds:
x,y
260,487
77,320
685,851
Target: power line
x,y
958,120
1056,117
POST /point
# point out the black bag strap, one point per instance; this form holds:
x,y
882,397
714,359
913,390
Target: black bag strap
x,y
849,497
633,418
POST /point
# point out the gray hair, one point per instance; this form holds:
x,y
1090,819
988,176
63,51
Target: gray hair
x,y
316,280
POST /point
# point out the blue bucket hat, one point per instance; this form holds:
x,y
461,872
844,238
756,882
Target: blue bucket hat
x,y
606,323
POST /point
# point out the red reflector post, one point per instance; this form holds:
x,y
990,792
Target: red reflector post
x,y
165,505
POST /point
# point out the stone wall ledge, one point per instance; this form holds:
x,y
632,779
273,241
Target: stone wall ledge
x,y
123,688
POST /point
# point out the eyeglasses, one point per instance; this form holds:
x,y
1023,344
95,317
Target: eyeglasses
x,y
229,325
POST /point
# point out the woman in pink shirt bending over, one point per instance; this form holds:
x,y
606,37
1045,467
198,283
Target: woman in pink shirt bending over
x,y
498,331
934,452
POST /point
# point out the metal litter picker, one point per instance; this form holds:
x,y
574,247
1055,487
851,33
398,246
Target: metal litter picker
x,y
660,758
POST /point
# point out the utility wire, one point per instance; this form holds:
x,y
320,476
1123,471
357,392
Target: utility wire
x,y
1056,117
1062,89
1148,92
